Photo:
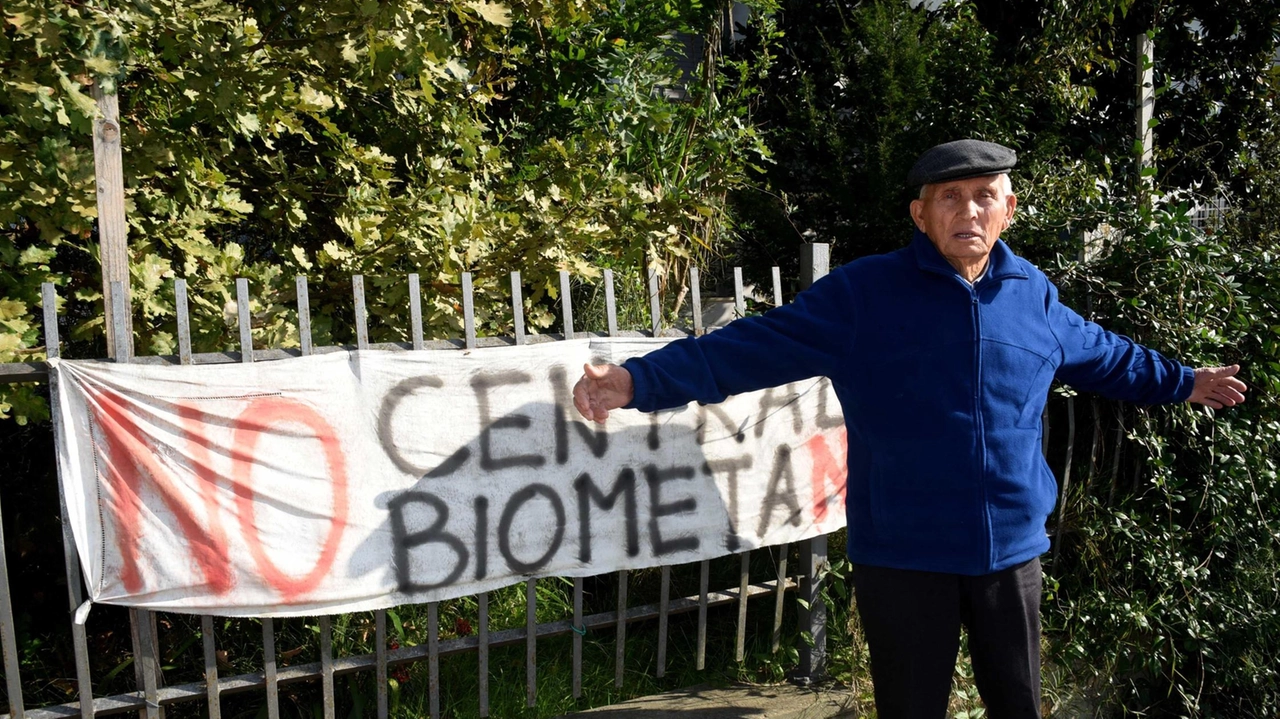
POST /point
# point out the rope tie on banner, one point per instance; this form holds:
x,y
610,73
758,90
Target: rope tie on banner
x,y
82,612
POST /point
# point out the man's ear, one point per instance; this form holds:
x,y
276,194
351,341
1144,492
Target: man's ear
x,y
917,213
1011,202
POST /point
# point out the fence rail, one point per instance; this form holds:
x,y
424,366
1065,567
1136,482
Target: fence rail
x,y
151,694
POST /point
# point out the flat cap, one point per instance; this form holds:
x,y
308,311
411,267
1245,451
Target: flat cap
x,y
960,160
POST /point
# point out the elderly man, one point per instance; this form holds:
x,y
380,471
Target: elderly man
x,y
942,354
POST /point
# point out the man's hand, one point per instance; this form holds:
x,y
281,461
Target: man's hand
x,y
604,387
1218,387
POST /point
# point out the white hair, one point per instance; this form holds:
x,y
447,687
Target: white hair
x,y
1006,186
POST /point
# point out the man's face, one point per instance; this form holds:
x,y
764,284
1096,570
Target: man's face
x,y
964,218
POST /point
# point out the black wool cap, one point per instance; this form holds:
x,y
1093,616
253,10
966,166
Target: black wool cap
x,y
960,160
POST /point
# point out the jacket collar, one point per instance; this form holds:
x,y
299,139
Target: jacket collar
x,y
1003,264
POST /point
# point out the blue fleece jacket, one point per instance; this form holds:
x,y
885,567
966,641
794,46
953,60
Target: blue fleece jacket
x,y
942,385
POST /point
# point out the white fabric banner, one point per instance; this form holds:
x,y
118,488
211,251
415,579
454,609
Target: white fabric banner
x,y
361,480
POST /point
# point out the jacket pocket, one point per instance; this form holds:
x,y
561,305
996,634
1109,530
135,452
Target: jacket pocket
x,y
923,494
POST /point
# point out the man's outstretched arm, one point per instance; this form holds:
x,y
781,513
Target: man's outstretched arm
x,y
1097,360
809,337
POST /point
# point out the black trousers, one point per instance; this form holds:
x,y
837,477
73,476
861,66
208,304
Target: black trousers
x,y
912,624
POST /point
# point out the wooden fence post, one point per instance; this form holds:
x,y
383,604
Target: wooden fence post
x,y
112,230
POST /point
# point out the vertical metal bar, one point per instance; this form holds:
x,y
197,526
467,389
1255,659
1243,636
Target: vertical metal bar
x,y
326,666
780,589
268,624
611,307
273,697
704,575
744,575
304,314
415,311
468,311
246,321
695,288
482,599
664,607
611,311
813,619
120,314
566,304
155,652
362,316
578,631
144,665
1066,475
433,659
146,660
739,302
136,647
1115,457
655,304
620,651
71,560
380,615
531,642
1094,446
123,352
8,640
213,689
780,596
482,635
326,625
744,559
184,321
269,667
49,300
815,262
1044,434
380,660
517,307
1144,49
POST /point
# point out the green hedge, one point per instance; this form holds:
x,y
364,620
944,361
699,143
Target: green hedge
x,y
264,140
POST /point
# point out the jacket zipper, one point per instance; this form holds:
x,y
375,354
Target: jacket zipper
x,y
981,431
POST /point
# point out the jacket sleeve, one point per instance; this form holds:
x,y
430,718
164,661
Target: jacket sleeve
x,y
1113,365
807,338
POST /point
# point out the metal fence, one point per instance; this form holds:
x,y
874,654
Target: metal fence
x,y
152,695
1210,214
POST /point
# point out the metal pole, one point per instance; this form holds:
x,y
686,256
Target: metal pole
x,y
815,262
71,559
1145,62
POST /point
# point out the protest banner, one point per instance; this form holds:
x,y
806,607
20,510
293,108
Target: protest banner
x,y
360,480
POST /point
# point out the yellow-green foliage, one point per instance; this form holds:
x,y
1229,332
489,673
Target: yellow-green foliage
x,y
264,140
